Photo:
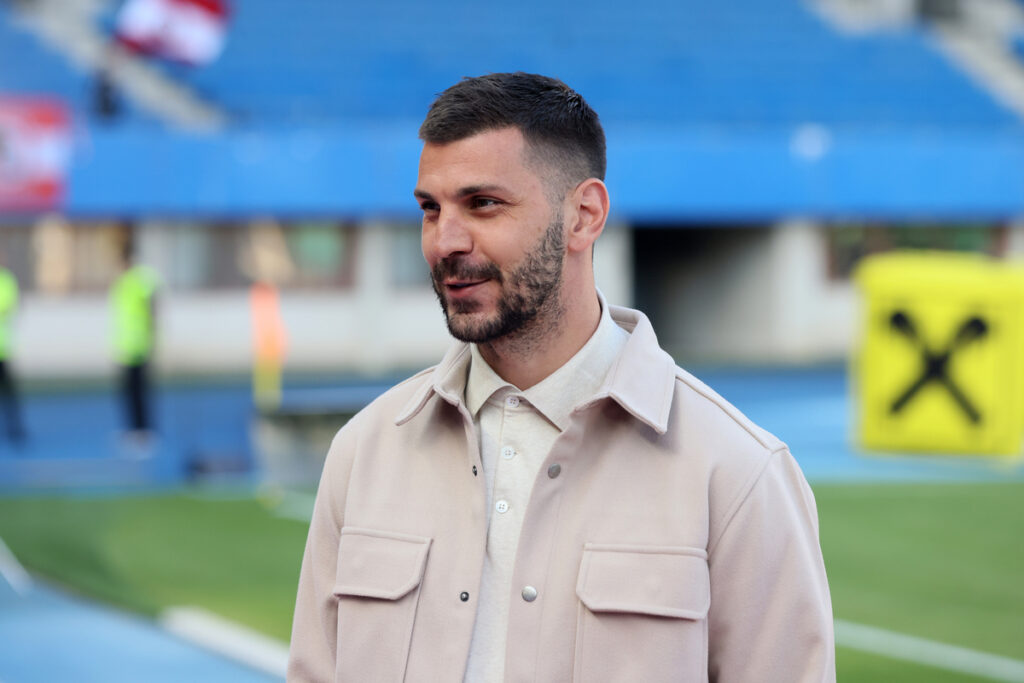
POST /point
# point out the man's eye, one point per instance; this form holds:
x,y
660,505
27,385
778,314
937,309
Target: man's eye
x,y
483,202
428,207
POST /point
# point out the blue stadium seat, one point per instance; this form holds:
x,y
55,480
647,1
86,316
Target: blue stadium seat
x,y
742,62
29,68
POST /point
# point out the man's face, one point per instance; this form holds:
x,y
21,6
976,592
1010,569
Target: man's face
x,y
494,243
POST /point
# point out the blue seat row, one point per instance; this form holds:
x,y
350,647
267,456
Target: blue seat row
x,y
744,62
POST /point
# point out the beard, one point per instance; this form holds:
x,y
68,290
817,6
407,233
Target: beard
x,y
527,292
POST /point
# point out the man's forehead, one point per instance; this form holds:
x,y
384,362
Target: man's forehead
x,y
507,138
490,158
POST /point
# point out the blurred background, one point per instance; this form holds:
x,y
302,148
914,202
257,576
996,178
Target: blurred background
x,y
217,197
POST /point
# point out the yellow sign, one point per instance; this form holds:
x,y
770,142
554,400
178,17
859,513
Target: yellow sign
x,y
940,365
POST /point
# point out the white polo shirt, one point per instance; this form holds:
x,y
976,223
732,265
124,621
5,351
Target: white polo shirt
x,y
516,430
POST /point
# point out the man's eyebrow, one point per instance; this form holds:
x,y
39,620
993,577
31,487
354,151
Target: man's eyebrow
x,y
467,191
477,189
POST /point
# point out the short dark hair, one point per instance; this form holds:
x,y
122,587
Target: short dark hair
x,y
560,128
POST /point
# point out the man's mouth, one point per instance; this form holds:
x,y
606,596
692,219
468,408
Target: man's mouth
x,y
456,280
460,285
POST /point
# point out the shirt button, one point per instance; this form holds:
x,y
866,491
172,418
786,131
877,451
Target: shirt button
x,y
464,596
554,470
501,506
512,401
529,593
508,452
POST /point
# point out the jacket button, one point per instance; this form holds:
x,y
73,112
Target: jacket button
x,y
529,594
554,470
464,596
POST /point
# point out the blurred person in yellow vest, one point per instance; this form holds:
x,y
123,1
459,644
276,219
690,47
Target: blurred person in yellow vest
x,y
133,307
8,390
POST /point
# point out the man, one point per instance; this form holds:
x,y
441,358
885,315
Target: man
x,y
556,500
133,303
8,387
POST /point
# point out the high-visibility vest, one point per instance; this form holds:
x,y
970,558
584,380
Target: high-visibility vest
x,y
8,305
131,300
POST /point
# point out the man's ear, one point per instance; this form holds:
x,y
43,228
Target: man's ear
x,y
591,202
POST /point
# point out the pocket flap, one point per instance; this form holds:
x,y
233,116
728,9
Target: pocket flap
x,y
379,564
657,580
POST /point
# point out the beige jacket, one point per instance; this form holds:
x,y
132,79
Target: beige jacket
x,y
667,539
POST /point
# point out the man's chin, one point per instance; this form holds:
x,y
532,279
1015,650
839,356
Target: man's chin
x,y
470,328
461,307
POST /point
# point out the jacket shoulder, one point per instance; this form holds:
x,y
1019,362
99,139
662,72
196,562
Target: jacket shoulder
x,y
736,451
700,402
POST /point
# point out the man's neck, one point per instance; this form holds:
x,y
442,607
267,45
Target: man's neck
x,y
543,346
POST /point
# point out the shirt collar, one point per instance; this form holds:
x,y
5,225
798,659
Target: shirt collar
x,y
641,378
582,376
482,382
557,394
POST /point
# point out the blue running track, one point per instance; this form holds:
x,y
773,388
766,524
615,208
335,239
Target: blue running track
x,y
47,635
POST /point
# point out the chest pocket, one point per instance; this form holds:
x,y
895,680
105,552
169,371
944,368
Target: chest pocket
x,y
642,614
377,586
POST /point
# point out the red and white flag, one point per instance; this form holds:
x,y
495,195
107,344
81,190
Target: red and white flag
x,y
188,31
35,152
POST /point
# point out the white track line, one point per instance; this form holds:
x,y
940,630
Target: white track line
x,y
12,571
271,656
296,506
928,652
227,638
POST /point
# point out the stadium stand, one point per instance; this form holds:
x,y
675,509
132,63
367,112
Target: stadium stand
x,y
30,68
749,62
324,97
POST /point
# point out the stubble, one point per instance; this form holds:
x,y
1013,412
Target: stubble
x,y
529,305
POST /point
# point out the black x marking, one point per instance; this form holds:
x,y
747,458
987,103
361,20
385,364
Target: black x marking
x,y
935,366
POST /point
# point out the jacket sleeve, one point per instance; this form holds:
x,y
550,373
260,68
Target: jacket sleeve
x,y
771,614
313,646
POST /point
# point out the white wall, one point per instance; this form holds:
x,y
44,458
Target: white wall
x,y
764,296
613,264
814,316
371,328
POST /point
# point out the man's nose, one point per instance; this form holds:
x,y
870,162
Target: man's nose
x,y
452,236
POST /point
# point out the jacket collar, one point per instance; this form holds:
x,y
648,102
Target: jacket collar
x,y
447,380
642,379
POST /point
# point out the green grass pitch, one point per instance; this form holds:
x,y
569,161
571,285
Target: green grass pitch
x,y
938,561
